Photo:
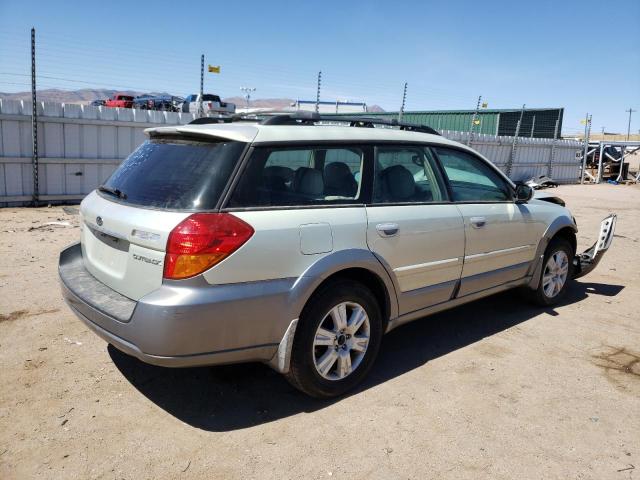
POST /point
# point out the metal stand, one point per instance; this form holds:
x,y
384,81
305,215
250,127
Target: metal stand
x,y
627,148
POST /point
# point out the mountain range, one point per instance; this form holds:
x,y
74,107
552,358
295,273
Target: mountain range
x,y
87,95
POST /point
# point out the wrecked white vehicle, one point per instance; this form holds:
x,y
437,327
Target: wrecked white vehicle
x,y
299,243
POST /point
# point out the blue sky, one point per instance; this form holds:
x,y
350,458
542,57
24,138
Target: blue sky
x,y
542,54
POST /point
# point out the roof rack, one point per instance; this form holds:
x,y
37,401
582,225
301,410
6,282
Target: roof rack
x,y
311,118
205,120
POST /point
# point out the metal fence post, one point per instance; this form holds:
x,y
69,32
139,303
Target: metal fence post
x,y
514,145
318,92
587,133
404,100
533,126
552,155
34,120
473,121
599,176
200,107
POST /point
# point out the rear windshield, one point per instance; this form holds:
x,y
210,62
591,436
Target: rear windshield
x,y
175,174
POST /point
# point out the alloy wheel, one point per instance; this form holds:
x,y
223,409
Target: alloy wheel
x,y
555,273
341,341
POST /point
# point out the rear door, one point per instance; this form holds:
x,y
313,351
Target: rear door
x,y
412,226
501,236
126,223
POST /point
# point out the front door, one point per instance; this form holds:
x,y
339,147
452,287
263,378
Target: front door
x,y
413,228
501,235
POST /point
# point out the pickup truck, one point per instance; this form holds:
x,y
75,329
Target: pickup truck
x,y
120,101
212,105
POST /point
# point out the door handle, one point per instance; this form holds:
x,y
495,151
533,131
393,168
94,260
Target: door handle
x,y
387,229
478,222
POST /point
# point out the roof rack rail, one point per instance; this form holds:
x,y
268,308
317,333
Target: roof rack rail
x,y
310,118
297,118
235,117
206,120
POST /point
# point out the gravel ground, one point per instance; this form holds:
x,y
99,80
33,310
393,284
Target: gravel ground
x,y
495,389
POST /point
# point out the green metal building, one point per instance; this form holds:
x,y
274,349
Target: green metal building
x,y
536,122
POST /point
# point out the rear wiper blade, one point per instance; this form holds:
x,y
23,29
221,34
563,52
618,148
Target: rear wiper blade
x,y
112,191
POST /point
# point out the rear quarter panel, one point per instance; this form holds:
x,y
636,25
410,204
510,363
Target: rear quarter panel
x,y
275,249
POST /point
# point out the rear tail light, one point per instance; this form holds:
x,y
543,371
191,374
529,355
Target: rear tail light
x,y
202,240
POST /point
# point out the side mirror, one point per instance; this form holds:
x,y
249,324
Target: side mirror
x,y
524,193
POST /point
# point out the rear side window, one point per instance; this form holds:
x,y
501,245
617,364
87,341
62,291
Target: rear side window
x,y
301,176
176,174
471,179
406,175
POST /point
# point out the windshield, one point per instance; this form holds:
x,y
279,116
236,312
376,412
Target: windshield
x,y
174,174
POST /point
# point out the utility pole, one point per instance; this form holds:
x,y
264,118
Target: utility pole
x,y
404,101
34,119
630,111
318,92
247,94
200,109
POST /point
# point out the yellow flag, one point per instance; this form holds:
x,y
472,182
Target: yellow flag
x,y
583,122
214,68
485,105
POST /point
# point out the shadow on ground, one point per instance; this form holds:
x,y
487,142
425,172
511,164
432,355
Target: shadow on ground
x,y
240,396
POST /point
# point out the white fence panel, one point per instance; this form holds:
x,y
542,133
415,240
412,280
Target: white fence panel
x,y
529,157
79,146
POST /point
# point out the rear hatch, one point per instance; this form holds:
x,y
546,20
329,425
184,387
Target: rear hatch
x,y
127,221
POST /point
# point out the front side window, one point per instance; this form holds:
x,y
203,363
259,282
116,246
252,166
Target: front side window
x,y
277,177
471,179
406,175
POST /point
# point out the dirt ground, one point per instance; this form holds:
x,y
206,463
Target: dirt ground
x,y
496,389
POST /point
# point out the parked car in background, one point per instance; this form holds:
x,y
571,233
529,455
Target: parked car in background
x,y
97,103
167,103
120,100
143,102
212,105
299,244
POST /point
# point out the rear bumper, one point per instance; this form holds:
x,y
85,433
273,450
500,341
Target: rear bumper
x,y
183,323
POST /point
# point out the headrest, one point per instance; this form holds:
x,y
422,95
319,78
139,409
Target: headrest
x,y
338,180
399,182
308,181
278,171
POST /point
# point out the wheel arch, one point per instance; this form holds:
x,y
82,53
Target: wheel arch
x,y
370,280
569,235
355,264
563,227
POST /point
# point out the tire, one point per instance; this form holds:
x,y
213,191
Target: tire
x,y
320,359
554,280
